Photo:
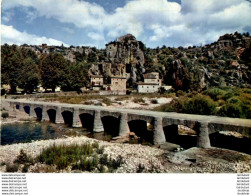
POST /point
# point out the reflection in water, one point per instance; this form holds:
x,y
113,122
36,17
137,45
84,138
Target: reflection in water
x,y
26,132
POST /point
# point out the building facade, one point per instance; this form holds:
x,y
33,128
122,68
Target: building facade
x,y
151,83
118,84
97,82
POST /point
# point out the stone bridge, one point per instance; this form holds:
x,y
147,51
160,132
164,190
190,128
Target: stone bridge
x,y
122,121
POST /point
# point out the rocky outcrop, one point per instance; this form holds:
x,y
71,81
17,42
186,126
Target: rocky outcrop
x,y
179,74
124,57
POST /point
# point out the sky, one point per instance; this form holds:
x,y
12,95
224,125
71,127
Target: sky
x,y
97,22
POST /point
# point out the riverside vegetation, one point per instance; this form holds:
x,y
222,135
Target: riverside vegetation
x,y
85,157
221,101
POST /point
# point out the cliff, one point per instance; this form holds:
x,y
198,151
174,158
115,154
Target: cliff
x,y
124,57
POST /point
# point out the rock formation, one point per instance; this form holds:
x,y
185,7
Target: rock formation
x,y
124,58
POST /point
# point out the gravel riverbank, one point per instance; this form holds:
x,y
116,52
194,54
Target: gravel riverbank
x,y
150,159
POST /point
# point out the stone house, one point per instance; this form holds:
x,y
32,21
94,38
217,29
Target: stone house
x,y
151,83
115,85
97,82
118,84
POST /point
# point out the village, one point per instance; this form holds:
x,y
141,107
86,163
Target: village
x,y
113,75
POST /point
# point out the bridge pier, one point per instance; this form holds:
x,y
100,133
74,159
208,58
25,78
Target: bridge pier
x,y
98,125
203,140
59,117
45,116
21,107
76,119
12,106
123,124
32,111
158,132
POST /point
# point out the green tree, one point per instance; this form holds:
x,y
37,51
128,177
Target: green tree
x,y
54,70
10,66
92,57
29,75
77,77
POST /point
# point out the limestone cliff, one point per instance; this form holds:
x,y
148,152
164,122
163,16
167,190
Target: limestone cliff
x,y
124,57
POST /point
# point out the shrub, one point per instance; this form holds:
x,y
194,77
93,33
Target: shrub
x,y
215,93
25,168
180,93
23,158
86,157
138,100
12,168
5,115
154,101
140,168
107,101
231,110
200,104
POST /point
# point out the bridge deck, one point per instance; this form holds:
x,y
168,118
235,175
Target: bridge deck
x,y
171,115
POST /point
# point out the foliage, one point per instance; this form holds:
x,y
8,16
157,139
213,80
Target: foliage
x,y
11,167
85,157
154,101
138,100
54,71
92,57
5,115
200,104
29,75
10,66
23,158
224,101
77,77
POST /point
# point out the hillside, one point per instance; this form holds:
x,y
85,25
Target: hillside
x,y
225,62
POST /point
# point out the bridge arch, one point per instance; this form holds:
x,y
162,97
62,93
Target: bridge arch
x,y
52,114
87,120
142,129
17,106
111,125
225,139
181,135
68,117
27,109
38,111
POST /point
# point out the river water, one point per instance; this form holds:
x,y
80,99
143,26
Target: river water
x,y
31,131
26,132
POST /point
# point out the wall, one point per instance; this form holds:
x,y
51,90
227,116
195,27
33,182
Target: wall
x,y
118,84
148,88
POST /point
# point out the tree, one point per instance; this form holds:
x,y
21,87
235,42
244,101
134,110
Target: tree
x,y
54,70
10,66
92,57
77,77
29,75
